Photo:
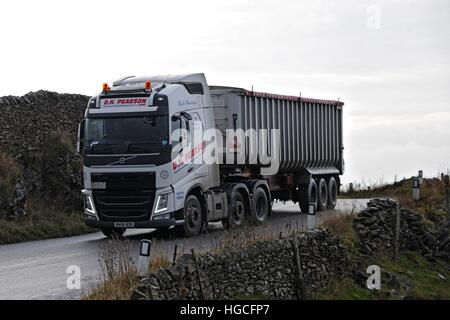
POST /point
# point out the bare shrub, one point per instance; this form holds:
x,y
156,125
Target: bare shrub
x,y
118,272
115,258
11,179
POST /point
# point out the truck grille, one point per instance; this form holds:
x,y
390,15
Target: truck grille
x,y
116,205
126,181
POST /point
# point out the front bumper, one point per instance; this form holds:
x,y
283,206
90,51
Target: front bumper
x,y
159,224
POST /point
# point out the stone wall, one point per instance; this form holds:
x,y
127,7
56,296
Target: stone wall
x,y
27,121
375,229
38,130
266,268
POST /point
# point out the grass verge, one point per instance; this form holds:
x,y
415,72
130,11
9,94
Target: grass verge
x,y
415,277
119,273
43,222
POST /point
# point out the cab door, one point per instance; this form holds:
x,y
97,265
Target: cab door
x,y
198,145
181,145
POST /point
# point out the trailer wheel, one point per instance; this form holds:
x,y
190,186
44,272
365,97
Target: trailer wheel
x,y
307,195
260,206
193,216
323,195
332,193
113,232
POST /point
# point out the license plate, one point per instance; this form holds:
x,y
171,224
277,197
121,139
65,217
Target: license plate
x,y
124,224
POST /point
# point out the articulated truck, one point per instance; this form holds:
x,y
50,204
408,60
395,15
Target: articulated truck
x,y
168,152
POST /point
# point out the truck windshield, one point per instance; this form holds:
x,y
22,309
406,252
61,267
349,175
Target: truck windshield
x,y
127,131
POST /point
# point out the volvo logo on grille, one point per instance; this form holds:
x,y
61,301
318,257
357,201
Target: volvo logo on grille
x,y
121,160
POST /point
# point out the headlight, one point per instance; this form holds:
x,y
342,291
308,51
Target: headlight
x,y
88,205
161,204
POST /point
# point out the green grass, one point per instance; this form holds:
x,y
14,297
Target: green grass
x,y
432,194
43,222
424,275
421,276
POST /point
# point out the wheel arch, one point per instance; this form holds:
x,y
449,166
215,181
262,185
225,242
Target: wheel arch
x,y
198,190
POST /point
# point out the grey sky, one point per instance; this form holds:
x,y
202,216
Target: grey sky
x,y
394,79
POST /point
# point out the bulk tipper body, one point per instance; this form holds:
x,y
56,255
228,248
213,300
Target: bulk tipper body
x,y
147,145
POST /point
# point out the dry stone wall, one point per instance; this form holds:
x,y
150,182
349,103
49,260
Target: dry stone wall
x,y
27,121
375,229
30,128
266,269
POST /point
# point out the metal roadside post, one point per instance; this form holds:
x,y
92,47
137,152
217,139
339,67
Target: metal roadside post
x,y
144,257
311,217
420,176
350,188
416,189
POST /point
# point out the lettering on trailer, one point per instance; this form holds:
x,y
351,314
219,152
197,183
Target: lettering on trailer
x,y
139,102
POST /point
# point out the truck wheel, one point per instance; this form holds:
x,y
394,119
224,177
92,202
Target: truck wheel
x,y
332,193
193,216
238,212
308,194
113,232
260,206
323,195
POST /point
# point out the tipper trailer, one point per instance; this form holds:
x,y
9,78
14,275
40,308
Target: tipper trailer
x,y
170,151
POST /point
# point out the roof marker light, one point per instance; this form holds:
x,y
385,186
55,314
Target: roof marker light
x,y
105,87
148,85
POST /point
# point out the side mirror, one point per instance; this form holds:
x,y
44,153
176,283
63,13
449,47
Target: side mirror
x,y
80,137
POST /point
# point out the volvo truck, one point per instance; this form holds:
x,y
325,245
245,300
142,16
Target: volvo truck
x,y
168,152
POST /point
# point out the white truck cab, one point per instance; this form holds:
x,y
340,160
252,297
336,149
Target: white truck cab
x,y
126,140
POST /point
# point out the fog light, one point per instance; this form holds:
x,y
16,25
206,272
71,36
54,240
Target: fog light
x,y
165,216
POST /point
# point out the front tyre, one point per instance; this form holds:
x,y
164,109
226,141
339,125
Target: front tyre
x,y
193,216
115,233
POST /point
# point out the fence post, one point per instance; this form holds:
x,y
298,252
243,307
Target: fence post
x,y
299,283
144,257
174,260
202,293
397,231
416,189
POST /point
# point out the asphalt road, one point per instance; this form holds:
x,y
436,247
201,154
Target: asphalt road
x,y
37,269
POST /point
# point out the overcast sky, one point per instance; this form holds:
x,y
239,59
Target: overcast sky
x,y
389,61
